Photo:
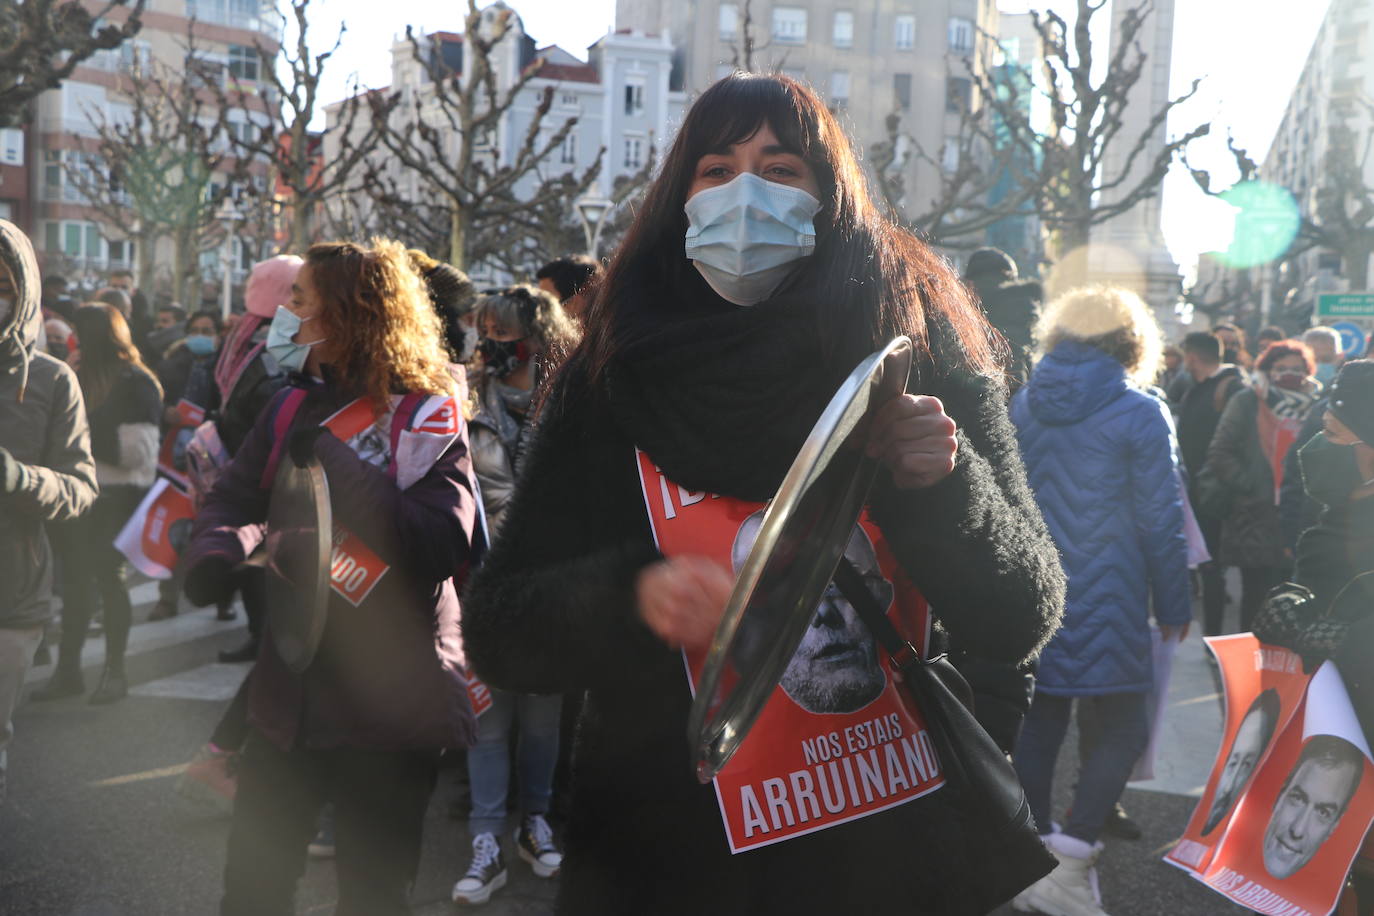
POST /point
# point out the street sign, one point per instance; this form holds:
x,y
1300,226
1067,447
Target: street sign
x,y
1352,338
1357,306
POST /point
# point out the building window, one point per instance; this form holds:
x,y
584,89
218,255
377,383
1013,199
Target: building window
x,y
634,152
244,63
904,33
960,35
843,33
634,99
729,21
901,88
11,146
958,94
789,25
839,89
568,151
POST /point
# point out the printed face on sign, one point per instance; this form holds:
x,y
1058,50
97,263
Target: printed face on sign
x,y
1314,797
835,669
1246,750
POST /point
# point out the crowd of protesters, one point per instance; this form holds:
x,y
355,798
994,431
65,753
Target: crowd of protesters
x,y
1053,490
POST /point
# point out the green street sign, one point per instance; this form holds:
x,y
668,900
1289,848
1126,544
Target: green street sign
x,y
1346,305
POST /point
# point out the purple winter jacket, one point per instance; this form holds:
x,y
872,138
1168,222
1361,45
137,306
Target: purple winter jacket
x,y
389,673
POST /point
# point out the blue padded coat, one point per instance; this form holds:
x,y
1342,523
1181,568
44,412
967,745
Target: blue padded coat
x,y
1102,460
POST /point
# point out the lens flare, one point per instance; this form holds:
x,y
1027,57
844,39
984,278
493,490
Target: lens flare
x,y
1267,221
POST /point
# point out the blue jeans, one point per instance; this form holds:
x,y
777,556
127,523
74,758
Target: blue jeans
x,y
536,717
1123,732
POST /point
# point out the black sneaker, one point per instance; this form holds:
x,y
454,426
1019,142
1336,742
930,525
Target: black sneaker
x,y
534,839
1119,824
486,873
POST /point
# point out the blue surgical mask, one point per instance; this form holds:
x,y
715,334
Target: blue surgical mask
x,y
200,344
288,354
1326,372
746,236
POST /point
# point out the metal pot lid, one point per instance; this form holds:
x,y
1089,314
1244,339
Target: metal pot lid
x,y
800,541
298,548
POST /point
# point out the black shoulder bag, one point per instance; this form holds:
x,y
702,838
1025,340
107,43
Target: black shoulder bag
x,y
968,755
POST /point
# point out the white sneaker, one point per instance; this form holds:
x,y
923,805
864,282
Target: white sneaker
x,y
486,873
1069,890
534,839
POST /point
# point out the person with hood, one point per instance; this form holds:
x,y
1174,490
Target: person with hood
x,y
1010,303
47,473
125,407
1101,457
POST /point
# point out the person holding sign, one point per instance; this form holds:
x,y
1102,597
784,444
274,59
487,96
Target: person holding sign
x,y
124,401
373,401
756,276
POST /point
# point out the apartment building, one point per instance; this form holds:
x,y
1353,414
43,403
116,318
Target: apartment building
x,y
620,95
223,37
867,60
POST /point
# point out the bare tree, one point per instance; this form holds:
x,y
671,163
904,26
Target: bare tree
x,y
43,41
166,170
283,137
465,110
1062,174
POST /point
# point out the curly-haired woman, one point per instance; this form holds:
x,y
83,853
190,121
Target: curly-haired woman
x,y
373,400
1103,461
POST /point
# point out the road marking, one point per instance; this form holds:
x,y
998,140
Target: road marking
x,y
146,775
214,683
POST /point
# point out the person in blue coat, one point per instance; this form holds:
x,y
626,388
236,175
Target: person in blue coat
x,y
1103,462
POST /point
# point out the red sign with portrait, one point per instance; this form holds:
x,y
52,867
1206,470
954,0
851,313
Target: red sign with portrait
x,y
838,739
1286,844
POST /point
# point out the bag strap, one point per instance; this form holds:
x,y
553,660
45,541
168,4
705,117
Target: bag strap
x,y
850,582
281,425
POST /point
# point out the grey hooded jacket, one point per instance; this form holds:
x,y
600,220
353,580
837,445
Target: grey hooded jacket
x,y
43,425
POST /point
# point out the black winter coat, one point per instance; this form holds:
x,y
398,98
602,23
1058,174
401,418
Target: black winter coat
x,y
553,609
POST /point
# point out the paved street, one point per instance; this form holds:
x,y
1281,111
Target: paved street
x,y
93,828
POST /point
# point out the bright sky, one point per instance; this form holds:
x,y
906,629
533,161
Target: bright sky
x,y
1248,61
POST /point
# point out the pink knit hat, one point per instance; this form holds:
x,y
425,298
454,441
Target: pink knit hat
x,y
269,285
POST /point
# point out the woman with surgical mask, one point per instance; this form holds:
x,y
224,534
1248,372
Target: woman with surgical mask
x,y
374,406
1247,455
521,328
757,274
187,376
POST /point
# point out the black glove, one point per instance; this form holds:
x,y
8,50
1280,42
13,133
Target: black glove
x,y
210,581
301,444
11,472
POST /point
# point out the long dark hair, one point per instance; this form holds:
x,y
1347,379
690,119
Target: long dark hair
x,y
868,278
107,349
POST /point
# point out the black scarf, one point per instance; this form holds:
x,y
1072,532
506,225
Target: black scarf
x,y
722,397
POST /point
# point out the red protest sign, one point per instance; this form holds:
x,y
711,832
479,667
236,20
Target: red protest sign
x,y
838,739
1263,687
153,536
1298,824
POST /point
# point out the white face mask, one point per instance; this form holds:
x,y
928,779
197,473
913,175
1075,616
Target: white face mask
x,y
747,235
470,338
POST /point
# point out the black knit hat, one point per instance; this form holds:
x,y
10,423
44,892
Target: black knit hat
x,y
990,262
1352,398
